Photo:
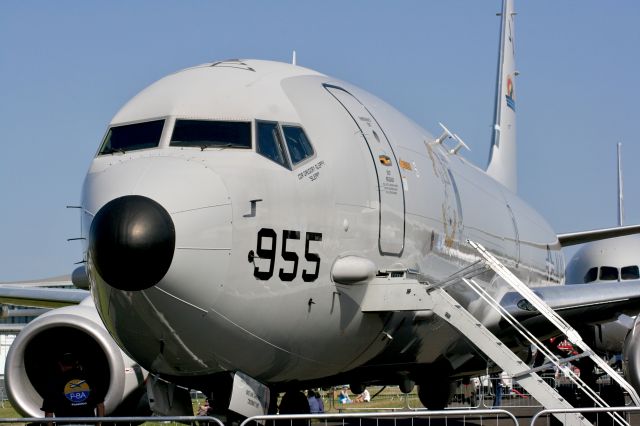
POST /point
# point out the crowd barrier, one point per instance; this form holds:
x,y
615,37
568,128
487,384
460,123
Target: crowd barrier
x,y
293,419
485,416
384,417
199,420
470,395
545,414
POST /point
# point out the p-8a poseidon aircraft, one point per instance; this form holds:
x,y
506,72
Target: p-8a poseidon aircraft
x,y
238,213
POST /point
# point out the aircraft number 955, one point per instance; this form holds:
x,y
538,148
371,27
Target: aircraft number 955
x,y
269,253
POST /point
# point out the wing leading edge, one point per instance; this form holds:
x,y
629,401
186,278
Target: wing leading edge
x,y
573,238
39,297
579,304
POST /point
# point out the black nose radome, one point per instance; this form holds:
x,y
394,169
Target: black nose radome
x,y
131,242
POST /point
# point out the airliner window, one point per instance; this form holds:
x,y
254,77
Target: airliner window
x,y
131,137
630,273
591,275
298,143
211,134
270,143
608,273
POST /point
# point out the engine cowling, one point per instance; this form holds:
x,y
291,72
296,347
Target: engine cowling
x,y
631,355
610,337
32,359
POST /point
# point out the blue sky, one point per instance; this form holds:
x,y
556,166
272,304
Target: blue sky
x,y
66,67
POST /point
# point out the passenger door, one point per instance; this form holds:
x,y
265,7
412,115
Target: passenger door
x,y
390,190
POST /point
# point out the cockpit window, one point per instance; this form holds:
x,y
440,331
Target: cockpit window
x,y
269,143
591,275
298,143
211,134
131,137
608,273
630,272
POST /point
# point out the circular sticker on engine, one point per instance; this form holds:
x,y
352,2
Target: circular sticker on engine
x,y
77,391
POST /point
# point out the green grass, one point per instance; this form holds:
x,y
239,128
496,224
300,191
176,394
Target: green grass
x,y
389,398
7,411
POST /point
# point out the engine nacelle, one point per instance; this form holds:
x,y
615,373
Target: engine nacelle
x,y
610,337
631,355
33,358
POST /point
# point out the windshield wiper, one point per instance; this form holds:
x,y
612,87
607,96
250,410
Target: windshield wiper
x,y
223,146
113,150
232,145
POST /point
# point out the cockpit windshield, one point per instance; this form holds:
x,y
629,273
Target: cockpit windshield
x,y
211,134
131,137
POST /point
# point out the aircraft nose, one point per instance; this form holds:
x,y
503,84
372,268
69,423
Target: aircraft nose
x,y
132,242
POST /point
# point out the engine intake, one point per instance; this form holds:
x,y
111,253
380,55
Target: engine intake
x,y
33,356
631,355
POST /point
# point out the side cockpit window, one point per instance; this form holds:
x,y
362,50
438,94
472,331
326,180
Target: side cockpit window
x,y
630,272
298,144
131,137
269,143
591,275
211,134
608,273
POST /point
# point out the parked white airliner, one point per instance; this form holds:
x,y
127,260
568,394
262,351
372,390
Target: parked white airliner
x,y
610,261
237,212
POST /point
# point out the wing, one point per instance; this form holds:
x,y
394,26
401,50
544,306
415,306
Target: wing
x,y
47,293
573,238
579,304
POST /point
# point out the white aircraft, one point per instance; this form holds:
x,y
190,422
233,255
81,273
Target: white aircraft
x,y
606,261
236,214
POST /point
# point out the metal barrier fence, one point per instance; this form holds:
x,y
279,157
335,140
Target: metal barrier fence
x,y
587,411
480,394
513,395
477,393
485,416
119,420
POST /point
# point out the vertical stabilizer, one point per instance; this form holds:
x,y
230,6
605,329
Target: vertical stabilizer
x,y
620,197
502,159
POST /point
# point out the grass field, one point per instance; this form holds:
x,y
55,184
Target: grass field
x,y
389,398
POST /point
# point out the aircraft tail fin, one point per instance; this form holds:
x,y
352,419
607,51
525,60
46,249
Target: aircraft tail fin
x,y
502,159
620,195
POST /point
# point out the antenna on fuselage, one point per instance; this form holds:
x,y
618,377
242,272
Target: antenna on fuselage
x,y
620,197
446,134
459,145
293,58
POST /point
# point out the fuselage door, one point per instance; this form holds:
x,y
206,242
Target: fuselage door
x,y
391,194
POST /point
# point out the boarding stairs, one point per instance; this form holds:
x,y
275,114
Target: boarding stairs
x,y
408,292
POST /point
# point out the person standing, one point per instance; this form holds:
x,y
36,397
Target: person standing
x,y
72,393
316,406
320,402
496,382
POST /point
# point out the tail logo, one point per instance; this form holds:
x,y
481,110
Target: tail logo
x,y
511,103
